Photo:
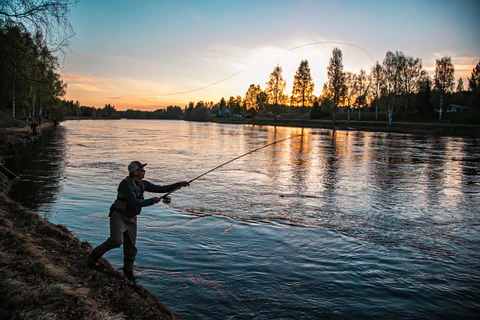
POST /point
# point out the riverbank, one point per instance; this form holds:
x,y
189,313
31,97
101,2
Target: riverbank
x,y
43,269
446,129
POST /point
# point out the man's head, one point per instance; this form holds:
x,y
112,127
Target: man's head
x,y
135,170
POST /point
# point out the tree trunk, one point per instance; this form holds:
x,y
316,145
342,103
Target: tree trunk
x,y
13,101
13,98
40,108
334,113
390,111
441,107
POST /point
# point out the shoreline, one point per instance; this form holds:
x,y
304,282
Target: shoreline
x,y
43,268
441,129
430,128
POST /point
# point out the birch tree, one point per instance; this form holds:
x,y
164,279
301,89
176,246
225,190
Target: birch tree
x,y
410,73
360,89
336,80
376,76
474,79
251,97
27,72
460,87
275,89
474,87
262,100
349,91
392,66
303,87
424,84
443,80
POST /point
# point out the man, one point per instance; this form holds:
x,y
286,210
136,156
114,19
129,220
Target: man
x,y
123,216
33,126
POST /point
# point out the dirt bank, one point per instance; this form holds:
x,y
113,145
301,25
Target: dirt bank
x,y
44,275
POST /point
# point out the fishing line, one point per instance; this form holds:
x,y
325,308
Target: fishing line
x,y
198,278
166,199
250,67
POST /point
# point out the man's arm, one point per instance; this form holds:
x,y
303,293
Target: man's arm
x,y
150,187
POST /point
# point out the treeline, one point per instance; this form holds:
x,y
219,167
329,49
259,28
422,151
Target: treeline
x,y
398,85
70,108
29,83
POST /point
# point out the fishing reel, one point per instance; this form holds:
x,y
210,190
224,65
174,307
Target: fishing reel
x,y
166,200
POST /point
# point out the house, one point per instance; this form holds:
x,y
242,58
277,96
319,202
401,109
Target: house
x,y
458,108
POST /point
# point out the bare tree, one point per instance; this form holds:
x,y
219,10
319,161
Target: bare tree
x,y
443,80
50,17
336,80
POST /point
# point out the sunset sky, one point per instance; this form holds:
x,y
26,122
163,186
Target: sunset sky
x,y
150,54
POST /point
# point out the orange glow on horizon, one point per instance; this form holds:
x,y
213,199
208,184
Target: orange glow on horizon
x,y
98,92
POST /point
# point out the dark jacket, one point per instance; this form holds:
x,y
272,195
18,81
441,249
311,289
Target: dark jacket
x,y
130,200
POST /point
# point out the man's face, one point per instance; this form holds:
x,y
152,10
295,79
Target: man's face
x,y
139,173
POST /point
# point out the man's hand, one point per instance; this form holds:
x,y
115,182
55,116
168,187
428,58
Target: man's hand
x,y
184,184
156,199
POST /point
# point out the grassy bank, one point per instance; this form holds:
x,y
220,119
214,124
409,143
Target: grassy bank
x,y
43,270
380,126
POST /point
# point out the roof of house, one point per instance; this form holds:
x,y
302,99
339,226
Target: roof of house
x,y
458,106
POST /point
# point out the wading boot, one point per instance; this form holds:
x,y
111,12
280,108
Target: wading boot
x,y
129,275
92,260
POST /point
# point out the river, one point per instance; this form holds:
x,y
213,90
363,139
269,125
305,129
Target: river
x,y
341,224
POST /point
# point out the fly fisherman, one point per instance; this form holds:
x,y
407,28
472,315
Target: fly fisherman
x,y
123,216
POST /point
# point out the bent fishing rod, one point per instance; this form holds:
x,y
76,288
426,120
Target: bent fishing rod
x,y
166,199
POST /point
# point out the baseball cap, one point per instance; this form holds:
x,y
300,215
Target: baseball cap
x,y
134,165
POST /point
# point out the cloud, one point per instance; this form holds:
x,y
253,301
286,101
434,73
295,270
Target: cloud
x,y
85,83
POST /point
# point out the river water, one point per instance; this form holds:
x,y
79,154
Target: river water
x,y
325,225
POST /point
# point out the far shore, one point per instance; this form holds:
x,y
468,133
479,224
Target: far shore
x,y
433,128
447,129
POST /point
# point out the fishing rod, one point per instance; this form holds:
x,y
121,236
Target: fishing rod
x,y
166,199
